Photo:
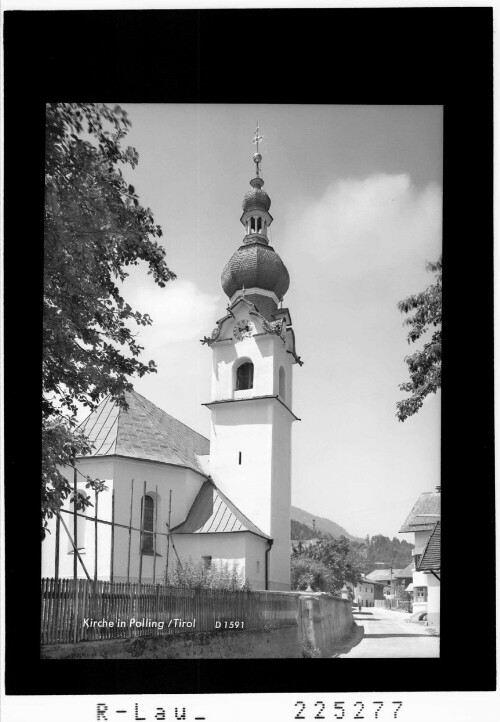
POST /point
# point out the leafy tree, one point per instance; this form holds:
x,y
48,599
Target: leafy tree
x,y
424,365
95,227
307,572
328,563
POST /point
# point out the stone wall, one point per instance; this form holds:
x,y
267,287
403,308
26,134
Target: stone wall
x,y
323,622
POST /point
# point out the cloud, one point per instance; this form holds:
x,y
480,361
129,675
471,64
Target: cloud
x,y
362,226
180,312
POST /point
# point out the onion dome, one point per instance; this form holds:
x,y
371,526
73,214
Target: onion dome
x,y
256,199
255,265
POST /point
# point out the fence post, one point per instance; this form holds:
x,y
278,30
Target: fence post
x,y
112,535
75,522
95,534
75,611
130,530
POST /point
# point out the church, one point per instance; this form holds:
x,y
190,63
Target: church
x,y
171,494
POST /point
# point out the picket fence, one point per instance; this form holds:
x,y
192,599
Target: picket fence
x,y
70,608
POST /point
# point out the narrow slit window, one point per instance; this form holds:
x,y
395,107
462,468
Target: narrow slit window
x,y
239,458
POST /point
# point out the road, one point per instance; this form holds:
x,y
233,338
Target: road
x,y
385,633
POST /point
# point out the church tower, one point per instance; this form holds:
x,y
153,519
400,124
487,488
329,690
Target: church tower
x,y
254,353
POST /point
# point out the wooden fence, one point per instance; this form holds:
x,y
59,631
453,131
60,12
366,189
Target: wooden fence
x,y
82,609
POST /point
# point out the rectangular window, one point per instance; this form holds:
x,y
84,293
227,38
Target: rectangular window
x,y
239,458
207,562
258,567
420,594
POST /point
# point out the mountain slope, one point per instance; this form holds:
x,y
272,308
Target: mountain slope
x,y
322,524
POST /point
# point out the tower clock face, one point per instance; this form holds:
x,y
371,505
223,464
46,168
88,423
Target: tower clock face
x,y
243,329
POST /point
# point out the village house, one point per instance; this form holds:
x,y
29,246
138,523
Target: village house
x,y
384,581
364,591
421,522
430,565
172,494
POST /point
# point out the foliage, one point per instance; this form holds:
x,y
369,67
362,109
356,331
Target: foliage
x,y
95,227
379,550
219,576
424,365
305,572
326,563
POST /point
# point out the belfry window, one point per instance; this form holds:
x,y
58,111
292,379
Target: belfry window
x,y
148,524
244,376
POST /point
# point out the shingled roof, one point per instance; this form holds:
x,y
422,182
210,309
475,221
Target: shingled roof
x,y
213,512
380,575
424,514
431,558
407,572
143,431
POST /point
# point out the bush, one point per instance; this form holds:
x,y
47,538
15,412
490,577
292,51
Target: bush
x,y
219,576
307,572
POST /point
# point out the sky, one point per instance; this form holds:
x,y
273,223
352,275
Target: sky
x,y
356,197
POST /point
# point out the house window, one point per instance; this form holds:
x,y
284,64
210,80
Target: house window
x,y
244,376
207,562
417,559
148,524
420,594
258,567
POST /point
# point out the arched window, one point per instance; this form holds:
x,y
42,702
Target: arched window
x,y
244,376
148,524
282,384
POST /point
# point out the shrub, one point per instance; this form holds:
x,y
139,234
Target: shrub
x,y
219,576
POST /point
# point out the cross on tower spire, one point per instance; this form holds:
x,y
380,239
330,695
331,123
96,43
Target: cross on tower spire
x,y
257,156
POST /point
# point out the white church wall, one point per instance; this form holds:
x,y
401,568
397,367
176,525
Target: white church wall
x,y
227,356
223,548
255,554
98,468
184,484
279,574
244,428
117,473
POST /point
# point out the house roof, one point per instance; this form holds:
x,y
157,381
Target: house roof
x,y
407,572
424,514
379,575
431,558
213,512
143,431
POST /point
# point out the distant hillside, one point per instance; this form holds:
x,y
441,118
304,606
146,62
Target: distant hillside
x,y
326,526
